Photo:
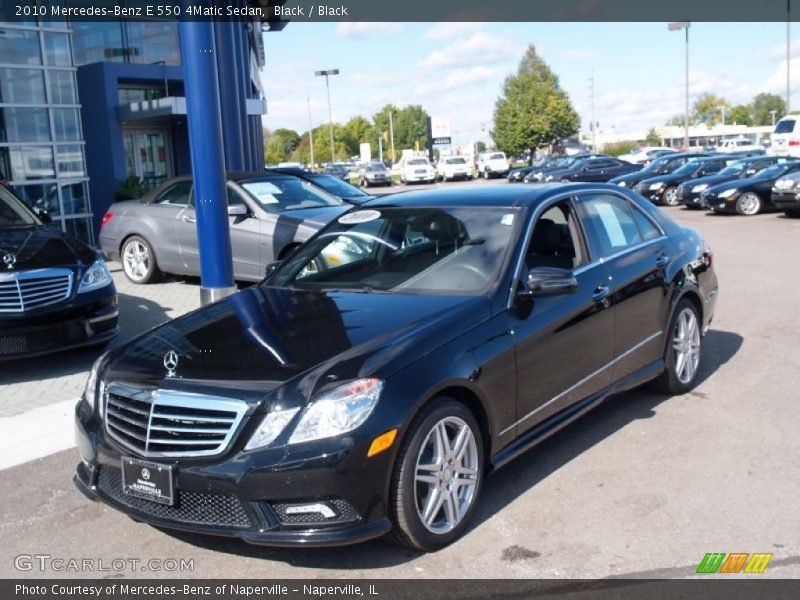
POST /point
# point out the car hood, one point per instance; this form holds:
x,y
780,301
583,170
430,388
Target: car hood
x,y
741,184
709,180
42,247
667,178
267,336
319,216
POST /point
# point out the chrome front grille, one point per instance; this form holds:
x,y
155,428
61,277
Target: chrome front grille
x,y
27,290
169,423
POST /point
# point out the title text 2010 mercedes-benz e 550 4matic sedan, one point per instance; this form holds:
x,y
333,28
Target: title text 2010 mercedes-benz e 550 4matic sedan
x,y
336,402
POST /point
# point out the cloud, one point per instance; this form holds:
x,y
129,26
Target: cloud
x,y
577,53
778,51
362,29
448,30
478,48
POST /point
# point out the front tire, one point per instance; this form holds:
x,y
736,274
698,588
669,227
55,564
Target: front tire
x,y
748,204
139,261
683,352
670,197
438,476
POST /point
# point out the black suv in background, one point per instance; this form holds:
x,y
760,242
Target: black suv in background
x,y
660,166
55,291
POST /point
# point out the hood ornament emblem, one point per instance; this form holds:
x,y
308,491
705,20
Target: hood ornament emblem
x,y
10,259
171,362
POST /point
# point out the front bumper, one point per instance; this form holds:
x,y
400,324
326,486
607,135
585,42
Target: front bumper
x,y
420,177
656,196
85,320
247,495
689,198
719,205
786,200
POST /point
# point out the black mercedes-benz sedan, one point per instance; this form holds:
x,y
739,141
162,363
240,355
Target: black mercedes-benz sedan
x,y
660,166
334,403
663,189
599,169
55,291
749,196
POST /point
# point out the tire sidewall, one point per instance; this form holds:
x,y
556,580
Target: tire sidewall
x,y
414,529
674,202
152,268
675,385
739,205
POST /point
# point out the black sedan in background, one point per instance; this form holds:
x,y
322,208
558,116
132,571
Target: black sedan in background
x,y
333,185
689,191
518,174
55,291
543,174
599,169
663,189
786,194
747,196
337,402
660,166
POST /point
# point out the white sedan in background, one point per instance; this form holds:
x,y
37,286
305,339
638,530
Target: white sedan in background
x,y
646,154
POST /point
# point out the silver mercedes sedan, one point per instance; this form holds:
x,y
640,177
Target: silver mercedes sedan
x,y
270,214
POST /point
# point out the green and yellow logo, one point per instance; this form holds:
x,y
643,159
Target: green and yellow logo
x,y
735,562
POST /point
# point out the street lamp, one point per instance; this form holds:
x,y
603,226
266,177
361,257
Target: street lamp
x,y
326,73
788,54
772,114
677,26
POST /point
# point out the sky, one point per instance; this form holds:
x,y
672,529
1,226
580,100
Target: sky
x,y
457,69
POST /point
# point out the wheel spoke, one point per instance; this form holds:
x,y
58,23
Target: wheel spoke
x,y
432,506
460,445
450,509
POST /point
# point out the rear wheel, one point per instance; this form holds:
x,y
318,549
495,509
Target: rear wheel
x,y
139,260
671,196
683,352
437,477
748,204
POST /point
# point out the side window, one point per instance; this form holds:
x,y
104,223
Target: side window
x,y
647,230
610,224
176,195
234,197
555,240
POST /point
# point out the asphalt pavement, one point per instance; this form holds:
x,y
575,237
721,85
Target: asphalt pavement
x,y
644,486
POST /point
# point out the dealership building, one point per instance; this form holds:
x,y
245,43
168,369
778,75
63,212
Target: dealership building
x,y
86,105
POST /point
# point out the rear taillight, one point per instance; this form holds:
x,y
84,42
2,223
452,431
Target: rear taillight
x,y
708,254
794,142
106,218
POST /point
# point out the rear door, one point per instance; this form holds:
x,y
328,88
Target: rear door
x,y
245,239
165,211
636,253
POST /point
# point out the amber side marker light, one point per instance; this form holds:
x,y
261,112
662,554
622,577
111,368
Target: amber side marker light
x,y
382,442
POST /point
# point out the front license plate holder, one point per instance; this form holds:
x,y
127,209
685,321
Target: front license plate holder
x,y
148,480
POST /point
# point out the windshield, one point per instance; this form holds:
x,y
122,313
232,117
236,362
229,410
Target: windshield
x,y
497,156
785,126
775,171
376,168
13,213
733,169
277,194
336,186
445,250
456,161
689,168
418,161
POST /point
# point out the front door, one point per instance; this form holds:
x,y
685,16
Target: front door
x,y
148,155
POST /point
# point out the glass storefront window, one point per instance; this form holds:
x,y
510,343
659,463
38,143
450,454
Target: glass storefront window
x,y
79,228
70,161
27,162
62,87
153,41
75,198
40,197
129,95
21,86
97,42
66,124
24,124
56,49
19,47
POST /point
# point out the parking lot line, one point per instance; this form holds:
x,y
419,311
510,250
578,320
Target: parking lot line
x,y
36,433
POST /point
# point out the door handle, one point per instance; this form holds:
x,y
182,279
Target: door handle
x,y
600,293
188,219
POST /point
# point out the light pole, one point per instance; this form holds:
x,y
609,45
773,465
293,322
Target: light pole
x,y
772,114
677,26
310,131
327,73
391,133
722,109
788,53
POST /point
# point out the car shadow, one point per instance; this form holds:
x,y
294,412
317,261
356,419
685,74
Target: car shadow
x,y
505,486
137,314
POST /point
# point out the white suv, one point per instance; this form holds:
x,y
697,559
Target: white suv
x,y
450,168
785,140
492,164
417,169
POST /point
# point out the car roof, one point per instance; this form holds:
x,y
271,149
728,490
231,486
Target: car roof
x,y
510,195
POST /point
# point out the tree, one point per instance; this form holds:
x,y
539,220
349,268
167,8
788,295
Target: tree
x,y
740,115
356,131
653,138
763,104
533,110
322,145
279,146
480,146
708,109
675,121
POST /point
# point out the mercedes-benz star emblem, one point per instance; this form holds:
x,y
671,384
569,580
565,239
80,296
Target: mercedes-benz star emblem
x,y
10,259
171,362
146,474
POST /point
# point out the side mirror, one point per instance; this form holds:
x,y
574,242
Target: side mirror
x,y
549,281
237,210
272,267
44,216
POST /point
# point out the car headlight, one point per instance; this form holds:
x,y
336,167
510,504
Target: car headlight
x,y
338,411
728,193
270,428
699,188
622,184
538,176
657,186
95,277
549,178
91,393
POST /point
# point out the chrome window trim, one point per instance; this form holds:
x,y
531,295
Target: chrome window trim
x,y
581,382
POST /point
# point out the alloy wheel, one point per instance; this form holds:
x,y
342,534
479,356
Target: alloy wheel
x,y
686,345
671,196
749,204
136,260
446,475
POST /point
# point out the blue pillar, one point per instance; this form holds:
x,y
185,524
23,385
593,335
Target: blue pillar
x,y
242,55
198,53
228,66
